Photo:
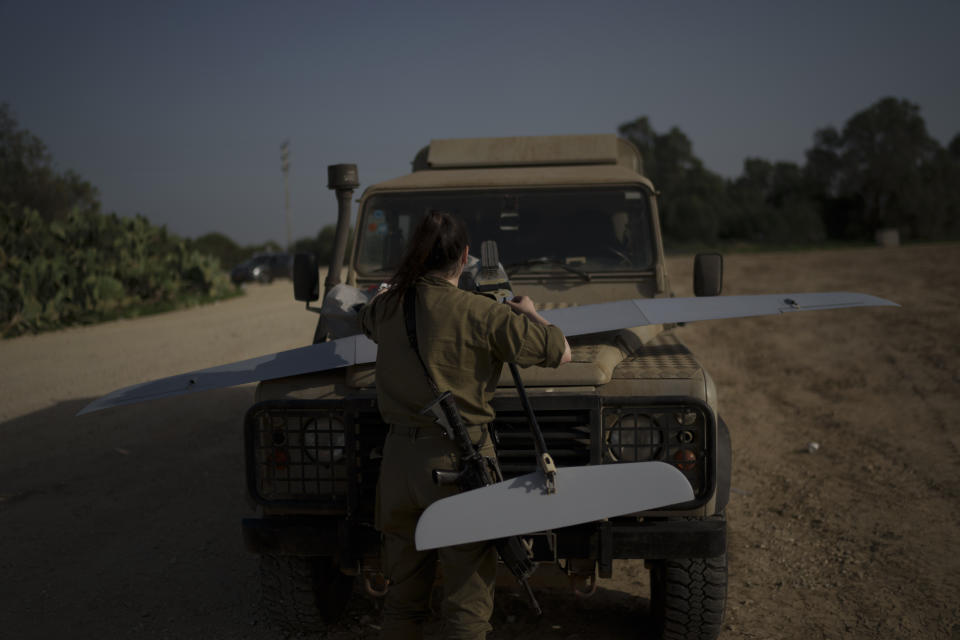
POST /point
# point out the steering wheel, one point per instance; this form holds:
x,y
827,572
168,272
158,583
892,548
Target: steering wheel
x,y
625,260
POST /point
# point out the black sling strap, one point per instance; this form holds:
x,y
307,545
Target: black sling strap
x,y
410,322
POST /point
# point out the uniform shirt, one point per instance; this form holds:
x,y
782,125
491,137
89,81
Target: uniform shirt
x,y
464,340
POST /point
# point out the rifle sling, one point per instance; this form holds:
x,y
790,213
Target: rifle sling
x,y
410,323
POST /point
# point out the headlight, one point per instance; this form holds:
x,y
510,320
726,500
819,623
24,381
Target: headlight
x,y
323,440
632,437
681,435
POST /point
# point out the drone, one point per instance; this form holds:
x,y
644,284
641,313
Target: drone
x,y
446,522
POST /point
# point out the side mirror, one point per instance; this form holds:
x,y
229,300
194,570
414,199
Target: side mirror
x,y
707,274
306,278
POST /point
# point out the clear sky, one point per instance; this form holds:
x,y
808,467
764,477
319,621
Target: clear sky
x,y
177,109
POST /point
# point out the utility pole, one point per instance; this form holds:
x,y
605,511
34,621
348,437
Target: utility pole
x,y
285,167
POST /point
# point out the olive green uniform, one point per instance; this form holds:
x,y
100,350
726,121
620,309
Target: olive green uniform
x,y
464,340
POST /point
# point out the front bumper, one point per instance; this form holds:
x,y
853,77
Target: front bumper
x,y
647,539
602,541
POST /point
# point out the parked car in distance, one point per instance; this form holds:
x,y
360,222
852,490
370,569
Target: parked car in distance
x,y
263,268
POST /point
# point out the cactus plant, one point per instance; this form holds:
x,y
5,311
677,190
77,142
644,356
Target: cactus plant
x,y
90,266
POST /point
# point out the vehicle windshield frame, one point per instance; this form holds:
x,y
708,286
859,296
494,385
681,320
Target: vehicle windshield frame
x,y
637,205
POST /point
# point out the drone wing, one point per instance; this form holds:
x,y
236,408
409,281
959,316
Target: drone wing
x,y
574,321
610,316
317,357
522,505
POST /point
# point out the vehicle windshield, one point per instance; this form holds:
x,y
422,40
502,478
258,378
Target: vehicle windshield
x,y
590,229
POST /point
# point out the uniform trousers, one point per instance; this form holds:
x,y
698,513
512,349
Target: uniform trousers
x,y
405,489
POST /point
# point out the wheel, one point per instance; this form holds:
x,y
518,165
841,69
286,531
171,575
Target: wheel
x,y
687,597
303,594
266,277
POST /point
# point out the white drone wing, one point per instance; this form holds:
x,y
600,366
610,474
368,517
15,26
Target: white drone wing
x,y
316,357
610,316
573,321
522,504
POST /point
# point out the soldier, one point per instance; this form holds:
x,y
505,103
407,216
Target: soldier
x,y
464,340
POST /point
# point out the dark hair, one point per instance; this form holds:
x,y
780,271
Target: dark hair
x,y
436,245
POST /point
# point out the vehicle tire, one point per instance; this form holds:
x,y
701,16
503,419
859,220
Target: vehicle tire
x,y
265,277
303,594
687,597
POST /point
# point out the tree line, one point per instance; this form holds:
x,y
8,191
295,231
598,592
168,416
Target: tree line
x,y
882,169
231,253
64,262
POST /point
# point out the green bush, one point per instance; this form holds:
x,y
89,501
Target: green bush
x,y
90,267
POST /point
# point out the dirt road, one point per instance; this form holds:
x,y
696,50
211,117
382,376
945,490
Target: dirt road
x,y
125,523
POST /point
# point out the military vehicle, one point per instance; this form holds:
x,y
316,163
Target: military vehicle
x,y
576,223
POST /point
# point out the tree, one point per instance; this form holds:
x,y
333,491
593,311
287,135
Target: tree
x,y
882,169
772,203
868,175
694,198
954,147
222,247
321,245
936,204
28,179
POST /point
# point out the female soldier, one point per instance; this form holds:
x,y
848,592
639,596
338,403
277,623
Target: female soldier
x,y
464,340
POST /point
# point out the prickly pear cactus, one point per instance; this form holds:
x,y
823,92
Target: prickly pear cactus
x,y
90,267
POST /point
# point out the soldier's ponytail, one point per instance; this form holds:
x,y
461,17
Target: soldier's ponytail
x,y
437,244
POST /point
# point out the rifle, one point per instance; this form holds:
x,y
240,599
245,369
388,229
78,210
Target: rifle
x,y
478,471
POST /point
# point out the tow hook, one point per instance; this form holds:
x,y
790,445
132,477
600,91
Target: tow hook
x,y
378,579
589,583
583,580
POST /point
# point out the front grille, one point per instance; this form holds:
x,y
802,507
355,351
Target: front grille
x,y
325,455
566,430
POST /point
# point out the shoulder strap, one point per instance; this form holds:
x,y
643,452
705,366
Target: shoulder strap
x,y
410,321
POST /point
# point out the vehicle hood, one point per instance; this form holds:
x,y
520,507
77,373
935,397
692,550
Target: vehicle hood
x,y
639,352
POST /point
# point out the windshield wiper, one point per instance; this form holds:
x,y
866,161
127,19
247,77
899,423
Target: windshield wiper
x,y
532,262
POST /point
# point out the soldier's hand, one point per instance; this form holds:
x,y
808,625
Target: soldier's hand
x,y
523,304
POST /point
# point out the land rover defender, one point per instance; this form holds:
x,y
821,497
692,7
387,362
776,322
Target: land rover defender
x,y
575,221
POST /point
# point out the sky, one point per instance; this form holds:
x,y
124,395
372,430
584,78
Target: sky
x,y
177,110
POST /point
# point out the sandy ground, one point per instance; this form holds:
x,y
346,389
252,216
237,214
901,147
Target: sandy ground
x,y
125,523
